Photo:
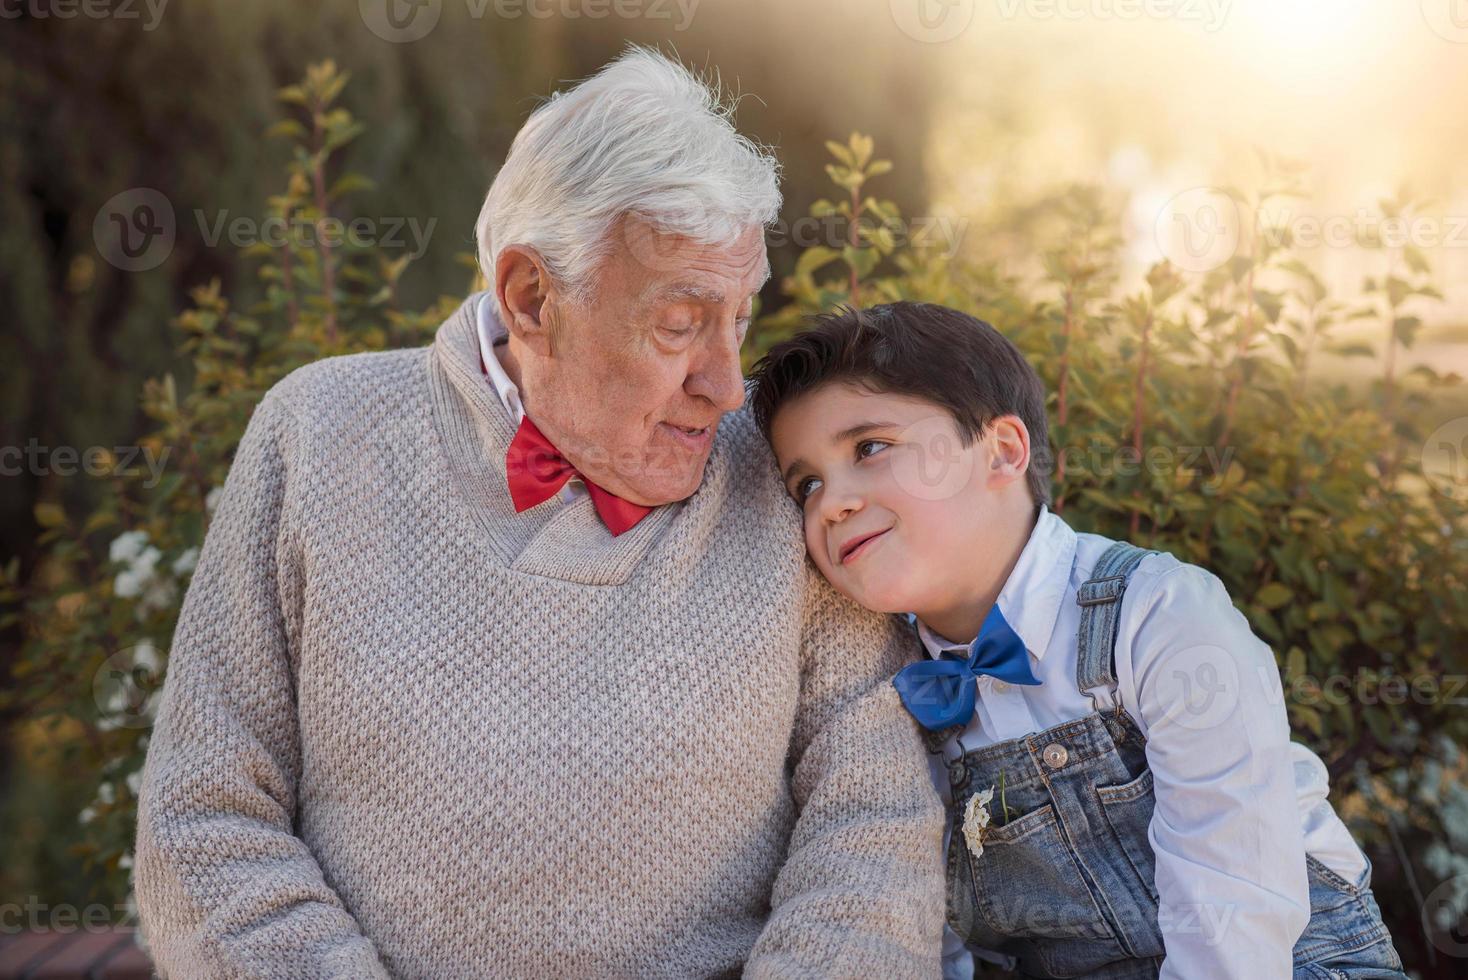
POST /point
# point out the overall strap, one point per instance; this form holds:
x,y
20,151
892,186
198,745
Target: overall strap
x,y
1100,600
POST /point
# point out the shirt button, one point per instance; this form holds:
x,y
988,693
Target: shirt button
x,y
1055,755
1001,687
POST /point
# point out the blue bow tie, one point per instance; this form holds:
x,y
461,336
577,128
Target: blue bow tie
x,y
940,693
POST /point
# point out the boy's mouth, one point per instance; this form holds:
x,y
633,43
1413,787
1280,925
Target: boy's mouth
x,y
855,547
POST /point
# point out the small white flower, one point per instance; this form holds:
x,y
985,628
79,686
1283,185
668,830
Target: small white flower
x,y
158,595
128,585
186,561
135,782
126,547
976,820
211,499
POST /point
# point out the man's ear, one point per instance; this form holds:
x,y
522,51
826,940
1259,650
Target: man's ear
x,y
1009,440
522,284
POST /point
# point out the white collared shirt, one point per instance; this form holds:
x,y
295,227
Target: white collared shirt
x,y
492,333
1238,804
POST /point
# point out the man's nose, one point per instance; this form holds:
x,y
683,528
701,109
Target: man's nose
x,y
719,376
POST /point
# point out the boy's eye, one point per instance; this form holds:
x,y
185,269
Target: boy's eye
x,y
861,452
805,487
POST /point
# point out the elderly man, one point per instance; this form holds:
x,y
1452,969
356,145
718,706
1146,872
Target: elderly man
x,y
503,656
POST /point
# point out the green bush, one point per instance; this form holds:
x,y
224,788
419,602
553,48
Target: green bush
x,y
1189,415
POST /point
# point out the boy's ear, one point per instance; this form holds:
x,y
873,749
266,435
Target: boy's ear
x,y
1009,457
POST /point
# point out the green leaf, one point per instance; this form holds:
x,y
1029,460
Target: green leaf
x,y
841,153
49,515
1274,595
814,258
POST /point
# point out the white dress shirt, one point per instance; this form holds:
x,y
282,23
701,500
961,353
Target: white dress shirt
x,y
492,334
1238,803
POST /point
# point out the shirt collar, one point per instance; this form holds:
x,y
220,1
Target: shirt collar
x,y
491,331
1031,597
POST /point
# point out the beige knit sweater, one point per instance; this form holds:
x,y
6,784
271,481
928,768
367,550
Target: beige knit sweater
x,y
408,732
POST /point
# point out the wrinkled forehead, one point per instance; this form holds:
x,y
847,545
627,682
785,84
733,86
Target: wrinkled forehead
x,y
664,267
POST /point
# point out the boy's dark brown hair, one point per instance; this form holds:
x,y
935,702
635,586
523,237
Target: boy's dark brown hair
x,y
919,349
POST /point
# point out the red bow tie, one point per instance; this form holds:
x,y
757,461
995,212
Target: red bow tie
x,y
537,471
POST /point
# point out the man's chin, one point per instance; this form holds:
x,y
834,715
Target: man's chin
x,y
668,489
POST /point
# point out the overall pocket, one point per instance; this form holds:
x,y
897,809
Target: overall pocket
x,y
1128,810
1128,807
1026,884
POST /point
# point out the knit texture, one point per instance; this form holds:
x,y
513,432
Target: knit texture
x,y
408,732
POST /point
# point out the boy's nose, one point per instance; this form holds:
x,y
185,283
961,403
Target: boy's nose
x,y
839,505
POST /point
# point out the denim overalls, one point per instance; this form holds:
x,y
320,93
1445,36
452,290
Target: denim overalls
x,y
1066,884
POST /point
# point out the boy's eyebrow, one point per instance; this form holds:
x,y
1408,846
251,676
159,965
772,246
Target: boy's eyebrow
x,y
853,432
860,429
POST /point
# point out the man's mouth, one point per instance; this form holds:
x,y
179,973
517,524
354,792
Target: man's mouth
x,y
695,439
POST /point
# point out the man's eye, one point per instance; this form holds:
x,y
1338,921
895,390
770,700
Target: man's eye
x,y
861,447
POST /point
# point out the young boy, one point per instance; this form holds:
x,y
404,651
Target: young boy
x,y
1108,735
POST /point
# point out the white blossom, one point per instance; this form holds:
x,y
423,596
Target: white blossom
x,y
976,820
126,547
185,562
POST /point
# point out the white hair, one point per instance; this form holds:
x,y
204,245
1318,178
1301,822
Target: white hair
x,y
644,136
